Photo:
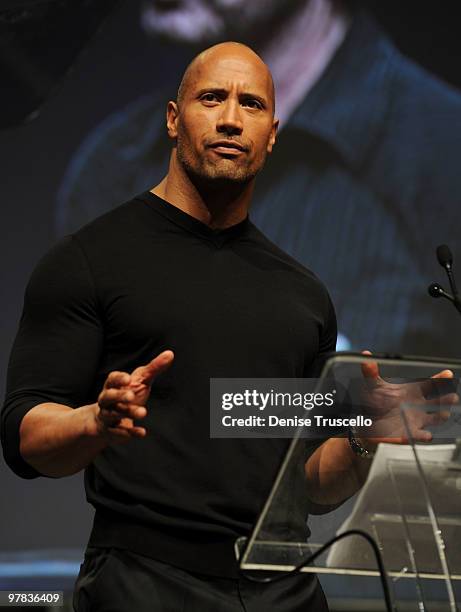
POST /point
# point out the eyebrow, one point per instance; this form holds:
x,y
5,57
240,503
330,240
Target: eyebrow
x,y
223,92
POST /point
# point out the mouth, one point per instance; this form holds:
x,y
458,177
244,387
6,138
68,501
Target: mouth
x,y
228,147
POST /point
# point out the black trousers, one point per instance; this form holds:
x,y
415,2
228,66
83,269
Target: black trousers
x,y
114,580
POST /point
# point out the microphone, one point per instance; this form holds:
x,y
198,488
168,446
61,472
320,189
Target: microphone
x,y
444,256
436,291
445,259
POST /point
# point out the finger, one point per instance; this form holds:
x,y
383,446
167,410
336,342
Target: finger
x,y
421,436
108,398
370,369
124,410
417,436
127,430
445,400
449,399
146,374
443,374
114,434
437,418
131,411
117,379
121,436
134,411
430,387
131,428
387,440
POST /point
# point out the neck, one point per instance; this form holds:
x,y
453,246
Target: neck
x,y
309,39
217,205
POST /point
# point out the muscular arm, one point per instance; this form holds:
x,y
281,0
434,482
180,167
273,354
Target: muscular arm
x,y
58,440
54,362
334,472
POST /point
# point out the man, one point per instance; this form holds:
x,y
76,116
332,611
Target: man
x,y
367,148
179,272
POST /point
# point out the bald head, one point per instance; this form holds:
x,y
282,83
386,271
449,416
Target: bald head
x,y
232,51
222,122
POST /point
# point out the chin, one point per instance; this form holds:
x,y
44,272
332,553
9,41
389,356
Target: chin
x,y
228,178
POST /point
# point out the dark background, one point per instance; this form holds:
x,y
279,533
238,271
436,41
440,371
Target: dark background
x,y
118,65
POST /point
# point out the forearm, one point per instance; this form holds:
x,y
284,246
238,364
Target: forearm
x,y
334,472
58,440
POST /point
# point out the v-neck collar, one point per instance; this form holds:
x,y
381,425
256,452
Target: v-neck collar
x,y
217,236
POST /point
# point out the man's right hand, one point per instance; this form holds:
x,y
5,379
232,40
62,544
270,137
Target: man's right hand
x,y
123,399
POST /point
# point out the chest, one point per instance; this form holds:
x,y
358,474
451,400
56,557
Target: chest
x,y
216,300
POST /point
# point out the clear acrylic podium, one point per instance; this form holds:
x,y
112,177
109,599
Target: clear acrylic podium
x,y
410,502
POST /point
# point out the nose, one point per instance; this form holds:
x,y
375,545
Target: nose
x,y
230,121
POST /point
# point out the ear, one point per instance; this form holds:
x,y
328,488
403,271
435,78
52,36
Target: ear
x,y
273,135
172,114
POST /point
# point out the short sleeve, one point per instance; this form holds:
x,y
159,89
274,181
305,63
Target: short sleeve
x,y
58,345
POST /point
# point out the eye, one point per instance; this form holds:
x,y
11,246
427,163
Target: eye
x,y
209,97
252,103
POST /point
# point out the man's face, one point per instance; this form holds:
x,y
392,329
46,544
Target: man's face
x,y
224,125
203,21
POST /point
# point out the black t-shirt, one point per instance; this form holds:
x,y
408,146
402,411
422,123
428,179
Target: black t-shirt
x,y
143,278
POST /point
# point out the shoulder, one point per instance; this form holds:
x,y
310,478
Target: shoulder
x,y
62,259
60,288
69,261
121,221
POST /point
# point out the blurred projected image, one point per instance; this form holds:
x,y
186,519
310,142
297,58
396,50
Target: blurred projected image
x,y
363,182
